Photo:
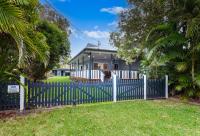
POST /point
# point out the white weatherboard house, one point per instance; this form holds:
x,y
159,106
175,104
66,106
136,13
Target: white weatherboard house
x,y
97,63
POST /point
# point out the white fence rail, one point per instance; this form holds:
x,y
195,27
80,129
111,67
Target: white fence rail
x,y
98,74
126,74
95,74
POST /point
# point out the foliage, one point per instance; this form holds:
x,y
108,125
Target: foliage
x,y
166,36
16,43
38,43
8,56
58,43
13,22
49,14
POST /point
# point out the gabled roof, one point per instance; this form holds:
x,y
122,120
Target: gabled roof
x,y
95,48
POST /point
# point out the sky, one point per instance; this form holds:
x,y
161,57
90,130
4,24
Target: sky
x,y
90,20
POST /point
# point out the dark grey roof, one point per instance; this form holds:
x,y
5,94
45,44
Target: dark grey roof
x,y
92,47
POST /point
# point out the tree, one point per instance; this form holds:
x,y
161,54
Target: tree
x,y
8,56
134,25
166,35
47,12
13,22
55,28
15,29
59,47
185,15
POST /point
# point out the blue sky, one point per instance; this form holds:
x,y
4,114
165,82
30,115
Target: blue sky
x,y
91,20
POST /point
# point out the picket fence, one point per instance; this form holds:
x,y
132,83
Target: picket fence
x,y
41,94
8,101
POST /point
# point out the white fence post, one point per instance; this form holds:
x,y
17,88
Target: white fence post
x,y
114,88
145,87
166,86
22,81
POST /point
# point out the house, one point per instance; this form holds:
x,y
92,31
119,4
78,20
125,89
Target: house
x,y
61,72
98,63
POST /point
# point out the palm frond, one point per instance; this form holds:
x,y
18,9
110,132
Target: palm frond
x,y
19,2
161,27
193,27
13,22
11,18
181,66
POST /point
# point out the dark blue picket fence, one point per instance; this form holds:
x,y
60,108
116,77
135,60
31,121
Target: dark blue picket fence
x,y
130,89
8,101
155,88
41,94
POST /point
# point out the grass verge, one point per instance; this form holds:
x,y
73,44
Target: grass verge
x,y
159,117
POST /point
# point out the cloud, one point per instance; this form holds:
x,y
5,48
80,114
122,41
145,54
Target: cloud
x,y
113,10
97,34
114,23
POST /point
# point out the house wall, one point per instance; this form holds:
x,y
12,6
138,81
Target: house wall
x,y
121,64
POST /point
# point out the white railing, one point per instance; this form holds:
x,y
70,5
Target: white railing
x,y
126,74
98,74
95,74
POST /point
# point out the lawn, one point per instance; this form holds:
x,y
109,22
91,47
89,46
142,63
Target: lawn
x,y
139,118
60,79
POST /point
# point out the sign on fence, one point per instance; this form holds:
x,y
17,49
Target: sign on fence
x,y
13,88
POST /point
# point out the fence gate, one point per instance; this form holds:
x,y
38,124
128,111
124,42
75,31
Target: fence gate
x,y
90,92
130,89
8,101
155,88
42,94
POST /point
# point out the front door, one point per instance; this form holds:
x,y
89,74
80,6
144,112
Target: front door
x,y
102,66
105,67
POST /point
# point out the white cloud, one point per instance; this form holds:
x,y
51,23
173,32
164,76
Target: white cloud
x,y
113,10
97,34
114,23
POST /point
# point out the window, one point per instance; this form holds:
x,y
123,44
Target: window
x,y
96,66
116,67
105,66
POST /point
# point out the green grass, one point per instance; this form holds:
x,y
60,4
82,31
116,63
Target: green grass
x,y
61,79
139,118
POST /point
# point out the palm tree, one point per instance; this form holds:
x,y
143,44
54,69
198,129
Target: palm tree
x,y
177,41
12,22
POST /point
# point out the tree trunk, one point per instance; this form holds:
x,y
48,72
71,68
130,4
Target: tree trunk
x,y
193,66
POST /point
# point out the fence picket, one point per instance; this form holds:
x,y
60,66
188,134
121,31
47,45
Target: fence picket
x,y
42,94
